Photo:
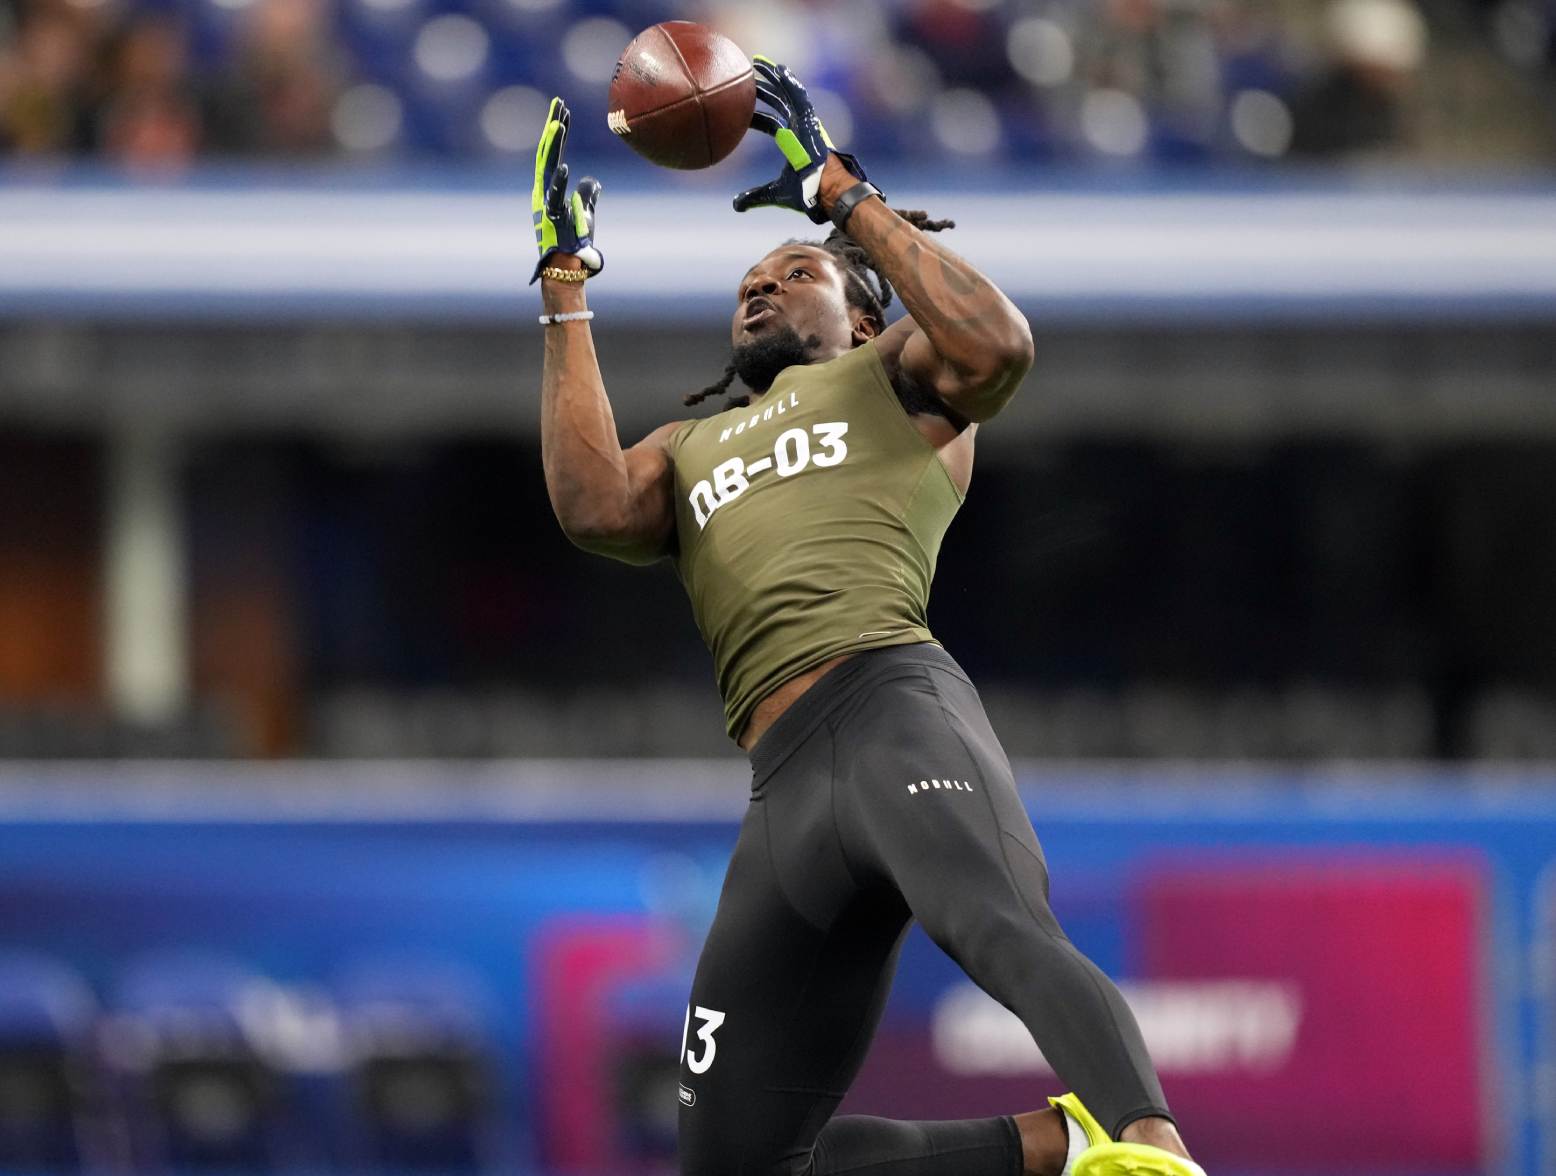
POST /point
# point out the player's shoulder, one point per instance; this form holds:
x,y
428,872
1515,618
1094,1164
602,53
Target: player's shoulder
x,y
887,349
889,343
913,390
659,446
667,435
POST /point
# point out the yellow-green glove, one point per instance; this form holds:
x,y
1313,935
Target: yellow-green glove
x,y
562,225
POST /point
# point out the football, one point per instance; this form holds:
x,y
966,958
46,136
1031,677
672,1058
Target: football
x,y
682,95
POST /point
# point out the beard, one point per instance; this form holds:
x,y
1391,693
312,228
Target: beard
x,y
758,362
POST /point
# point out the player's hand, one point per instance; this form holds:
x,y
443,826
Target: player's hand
x,y
802,139
562,225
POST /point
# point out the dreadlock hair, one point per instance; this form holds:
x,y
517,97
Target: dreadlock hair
x,y
865,287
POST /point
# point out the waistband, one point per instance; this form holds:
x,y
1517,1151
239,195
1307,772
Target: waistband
x,y
830,691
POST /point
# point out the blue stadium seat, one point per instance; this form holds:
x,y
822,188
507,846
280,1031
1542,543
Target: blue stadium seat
x,y
195,1068
422,1089
48,1092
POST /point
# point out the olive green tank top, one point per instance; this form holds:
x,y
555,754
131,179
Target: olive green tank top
x,y
807,525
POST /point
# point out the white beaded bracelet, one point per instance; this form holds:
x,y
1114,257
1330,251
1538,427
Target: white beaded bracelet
x,y
568,316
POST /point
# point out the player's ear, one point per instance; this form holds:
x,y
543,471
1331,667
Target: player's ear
x,y
865,327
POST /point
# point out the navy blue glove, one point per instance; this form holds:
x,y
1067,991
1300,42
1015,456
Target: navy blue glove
x,y
802,139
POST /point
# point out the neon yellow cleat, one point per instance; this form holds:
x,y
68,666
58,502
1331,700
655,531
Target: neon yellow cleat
x,y
1102,1157
1072,1107
1133,1159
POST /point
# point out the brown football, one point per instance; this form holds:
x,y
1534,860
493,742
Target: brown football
x,y
682,95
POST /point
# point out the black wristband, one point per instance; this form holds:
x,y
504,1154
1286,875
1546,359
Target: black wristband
x,y
843,207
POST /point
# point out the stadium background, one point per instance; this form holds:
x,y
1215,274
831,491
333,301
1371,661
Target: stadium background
x,y
352,821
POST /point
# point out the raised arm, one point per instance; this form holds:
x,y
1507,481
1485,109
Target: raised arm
x,y
963,339
609,500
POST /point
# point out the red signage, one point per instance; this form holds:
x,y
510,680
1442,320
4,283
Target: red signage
x,y
1387,1068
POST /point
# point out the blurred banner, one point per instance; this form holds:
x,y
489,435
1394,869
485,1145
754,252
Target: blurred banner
x,y
366,969
1284,1004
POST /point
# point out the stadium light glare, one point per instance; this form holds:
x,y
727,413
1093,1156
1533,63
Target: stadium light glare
x,y
1040,50
451,48
1261,123
590,48
509,118
1114,122
366,118
965,122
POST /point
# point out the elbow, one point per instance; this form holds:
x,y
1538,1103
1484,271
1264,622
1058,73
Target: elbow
x,y
1017,351
597,540
585,538
599,535
1009,357
1006,358
586,528
1012,359
1004,364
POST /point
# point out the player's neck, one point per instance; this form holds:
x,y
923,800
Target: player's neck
x,y
761,397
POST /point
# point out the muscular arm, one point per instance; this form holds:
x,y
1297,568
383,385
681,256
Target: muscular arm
x,y
609,501
964,341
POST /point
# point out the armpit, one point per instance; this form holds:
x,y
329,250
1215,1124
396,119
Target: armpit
x,y
919,400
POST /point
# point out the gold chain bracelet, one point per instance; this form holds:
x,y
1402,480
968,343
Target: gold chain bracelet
x,y
557,274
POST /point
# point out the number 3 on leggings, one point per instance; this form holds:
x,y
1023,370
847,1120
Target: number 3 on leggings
x,y
711,1020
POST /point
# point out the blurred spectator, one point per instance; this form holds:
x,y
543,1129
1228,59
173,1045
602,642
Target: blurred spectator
x,y
1523,30
45,68
1153,71
150,116
284,79
1198,81
1359,103
966,40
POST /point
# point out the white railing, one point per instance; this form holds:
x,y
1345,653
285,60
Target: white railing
x,y
307,248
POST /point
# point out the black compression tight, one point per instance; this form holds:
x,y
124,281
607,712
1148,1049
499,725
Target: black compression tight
x,y
834,859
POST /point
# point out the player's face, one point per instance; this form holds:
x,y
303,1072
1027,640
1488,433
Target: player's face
x,y
801,287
